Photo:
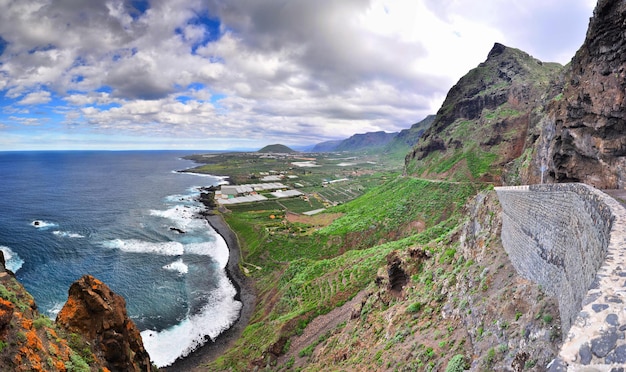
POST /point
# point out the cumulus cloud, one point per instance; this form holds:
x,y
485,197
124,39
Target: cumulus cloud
x,y
35,98
296,72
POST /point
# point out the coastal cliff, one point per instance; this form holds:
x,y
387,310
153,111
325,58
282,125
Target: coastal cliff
x,y
93,332
99,315
581,135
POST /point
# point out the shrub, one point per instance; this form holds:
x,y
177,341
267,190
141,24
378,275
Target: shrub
x,y
414,307
42,321
491,356
307,351
76,364
456,364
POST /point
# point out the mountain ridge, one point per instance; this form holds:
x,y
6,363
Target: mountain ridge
x,y
483,122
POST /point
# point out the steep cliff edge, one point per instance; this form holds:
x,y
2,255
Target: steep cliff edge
x,y
97,313
483,122
582,134
30,341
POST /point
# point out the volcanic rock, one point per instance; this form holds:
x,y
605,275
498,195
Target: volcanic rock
x,y
99,314
583,136
483,122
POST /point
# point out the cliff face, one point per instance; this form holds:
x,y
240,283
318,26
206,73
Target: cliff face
x,y
95,312
583,129
30,341
93,332
483,123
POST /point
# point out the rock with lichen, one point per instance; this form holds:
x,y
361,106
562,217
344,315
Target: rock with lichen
x,y
96,312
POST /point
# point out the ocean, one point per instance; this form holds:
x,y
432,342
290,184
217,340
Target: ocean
x,y
130,220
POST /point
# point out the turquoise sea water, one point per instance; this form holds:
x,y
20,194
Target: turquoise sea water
x,y
111,214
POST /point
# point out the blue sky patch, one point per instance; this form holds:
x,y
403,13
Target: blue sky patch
x,y
139,7
211,28
3,45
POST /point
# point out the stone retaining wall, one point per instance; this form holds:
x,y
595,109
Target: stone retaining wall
x,y
569,238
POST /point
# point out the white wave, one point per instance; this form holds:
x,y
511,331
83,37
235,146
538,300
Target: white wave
x,y
218,315
189,198
12,260
184,217
180,198
43,225
217,249
55,310
140,246
67,234
177,265
222,180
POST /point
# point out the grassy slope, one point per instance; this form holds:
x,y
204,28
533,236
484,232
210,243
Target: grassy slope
x,y
313,274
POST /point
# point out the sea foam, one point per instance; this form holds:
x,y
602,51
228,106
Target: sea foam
x,y
43,225
217,249
55,310
140,246
67,234
183,216
178,266
12,260
221,311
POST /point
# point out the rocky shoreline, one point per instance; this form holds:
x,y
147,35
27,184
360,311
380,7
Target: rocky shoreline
x,y
245,293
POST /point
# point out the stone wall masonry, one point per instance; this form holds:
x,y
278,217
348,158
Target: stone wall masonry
x,y
569,238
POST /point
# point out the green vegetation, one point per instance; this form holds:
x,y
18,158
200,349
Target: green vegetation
x,y
42,321
456,364
276,148
76,364
303,269
547,318
468,163
398,202
21,301
81,348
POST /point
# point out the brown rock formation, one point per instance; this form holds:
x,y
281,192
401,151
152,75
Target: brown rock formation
x,y
583,135
96,312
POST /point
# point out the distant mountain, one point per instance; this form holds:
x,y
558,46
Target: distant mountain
x,y
407,138
277,149
363,141
326,146
366,141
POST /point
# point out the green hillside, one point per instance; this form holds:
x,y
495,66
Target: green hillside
x,y
318,271
277,149
404,141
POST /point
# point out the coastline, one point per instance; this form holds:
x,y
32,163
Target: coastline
x,y
245,293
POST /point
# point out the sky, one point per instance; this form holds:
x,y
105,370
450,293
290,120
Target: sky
x,y
241,74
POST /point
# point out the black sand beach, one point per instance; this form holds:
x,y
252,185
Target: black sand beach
x,y
245,294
